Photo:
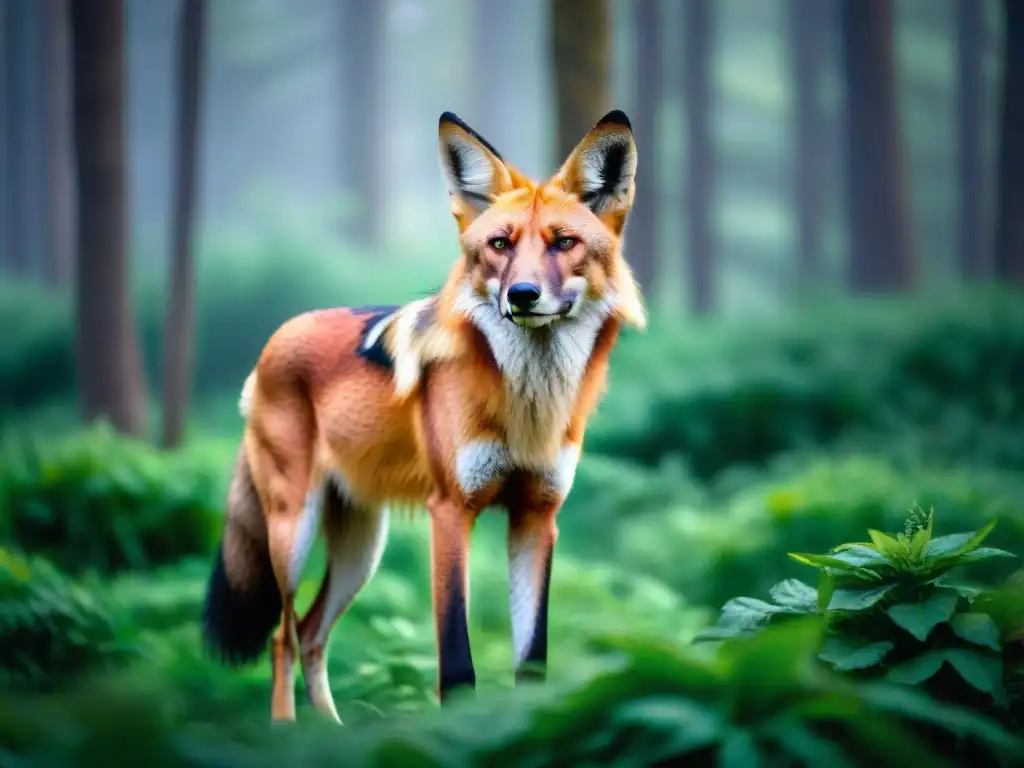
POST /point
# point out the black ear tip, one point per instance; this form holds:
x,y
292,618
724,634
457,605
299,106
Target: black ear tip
x,y
616,117
449,117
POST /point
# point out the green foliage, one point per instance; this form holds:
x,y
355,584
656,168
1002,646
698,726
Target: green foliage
x,y
95,500
643,702
737,535
914,376
52,631
893,609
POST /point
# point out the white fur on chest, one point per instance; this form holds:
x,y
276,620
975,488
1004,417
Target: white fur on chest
x,y
542,370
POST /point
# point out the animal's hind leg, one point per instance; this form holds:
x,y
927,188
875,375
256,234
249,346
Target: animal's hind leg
x,y
293,511
355,542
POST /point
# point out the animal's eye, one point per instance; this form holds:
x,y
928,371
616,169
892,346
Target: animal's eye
x,y
564,243
500,243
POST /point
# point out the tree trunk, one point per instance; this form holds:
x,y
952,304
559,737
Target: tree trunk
x,y
495,82
970,20
581,54
697,45
881,252
807,28
109,371
363,30
642,240
179,325
59,178
1009,251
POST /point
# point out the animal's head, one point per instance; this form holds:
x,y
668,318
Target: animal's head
x,y
542,251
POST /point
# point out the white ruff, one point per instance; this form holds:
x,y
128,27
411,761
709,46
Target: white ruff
x,y
542,369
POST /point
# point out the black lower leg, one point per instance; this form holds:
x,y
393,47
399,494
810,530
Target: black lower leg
x,y
455,661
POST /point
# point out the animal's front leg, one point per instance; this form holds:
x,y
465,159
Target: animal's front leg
x,y
450,526
531,543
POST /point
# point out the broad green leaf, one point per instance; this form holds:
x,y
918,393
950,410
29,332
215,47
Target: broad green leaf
x,y
977,628
848,599
979,554
919,619
739,750
893,549
775,658
796,595
694,725
826,586
983,672
920,539
860,556
799,741
822,561
845,654
741,615
917,670
958,543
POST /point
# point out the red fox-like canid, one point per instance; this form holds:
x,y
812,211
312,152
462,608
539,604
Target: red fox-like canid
x,y
476,396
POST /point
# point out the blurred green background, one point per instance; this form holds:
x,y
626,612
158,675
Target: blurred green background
x,y
837,326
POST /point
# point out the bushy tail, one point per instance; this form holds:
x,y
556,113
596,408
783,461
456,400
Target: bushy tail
x,y
243,603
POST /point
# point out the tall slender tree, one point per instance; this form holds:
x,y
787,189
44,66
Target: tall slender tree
x,y
698,46
363,35
881,250
642,235
180,320
59,176
1009,250
970,103
806,22
581,54
109,371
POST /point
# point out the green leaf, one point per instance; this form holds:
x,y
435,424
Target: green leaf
x,y
917,670
741,616
846,654
977,628
694,725
983,672
798,740
958,543
981,553
822,561
847,599
893,549
796,595
860,556
739,750
919,619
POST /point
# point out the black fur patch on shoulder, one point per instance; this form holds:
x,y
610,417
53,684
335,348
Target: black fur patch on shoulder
x,y
376,352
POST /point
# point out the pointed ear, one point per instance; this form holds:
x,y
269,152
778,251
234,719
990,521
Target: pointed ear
x,y
601,170
473,169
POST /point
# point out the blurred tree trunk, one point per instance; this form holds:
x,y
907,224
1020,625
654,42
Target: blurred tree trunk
x,y
363,34
581,54
23,128
698,45
1009,251
59,178
881,251
109,370
807,31
179,325
642,238
970,19
495,82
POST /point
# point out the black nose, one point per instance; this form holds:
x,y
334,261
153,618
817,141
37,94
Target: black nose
x,y
523,295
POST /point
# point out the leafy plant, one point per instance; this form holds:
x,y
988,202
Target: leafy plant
x,y
893,611
96,500
52,631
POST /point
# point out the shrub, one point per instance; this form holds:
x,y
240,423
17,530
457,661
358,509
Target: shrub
x,y
943,373
738,537
52,631
95,500
893,610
